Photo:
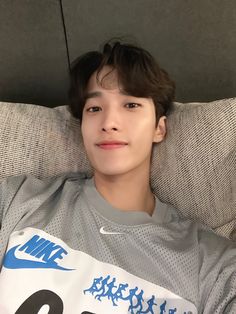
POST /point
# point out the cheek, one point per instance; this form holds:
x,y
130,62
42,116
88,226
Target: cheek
x,y
85,131
143,131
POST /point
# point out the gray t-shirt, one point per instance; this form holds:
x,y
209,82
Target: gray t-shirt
x,y
64,247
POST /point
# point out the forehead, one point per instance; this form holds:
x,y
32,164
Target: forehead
x,y
108,80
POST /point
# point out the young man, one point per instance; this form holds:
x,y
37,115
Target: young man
x,y
106,244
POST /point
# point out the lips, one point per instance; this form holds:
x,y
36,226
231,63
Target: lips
x,y
111,144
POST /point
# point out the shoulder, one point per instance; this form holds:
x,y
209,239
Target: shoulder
x,y
208,238
193,230
14,181
26,186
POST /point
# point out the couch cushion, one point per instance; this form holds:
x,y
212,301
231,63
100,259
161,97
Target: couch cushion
x,y
194,169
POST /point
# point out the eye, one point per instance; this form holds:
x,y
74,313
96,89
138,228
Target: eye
x,y
130,105
92,108
134,105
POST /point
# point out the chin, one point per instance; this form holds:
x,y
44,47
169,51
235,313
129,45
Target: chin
x,y
111,172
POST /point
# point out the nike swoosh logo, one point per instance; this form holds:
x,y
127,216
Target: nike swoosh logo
x,y
13,262
102,231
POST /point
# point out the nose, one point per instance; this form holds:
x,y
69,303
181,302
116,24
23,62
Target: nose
x,y
110,121
108,129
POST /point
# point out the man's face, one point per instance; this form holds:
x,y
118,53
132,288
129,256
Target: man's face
x,y
111,115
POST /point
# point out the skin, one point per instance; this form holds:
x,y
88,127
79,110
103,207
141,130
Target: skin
x,y
121,175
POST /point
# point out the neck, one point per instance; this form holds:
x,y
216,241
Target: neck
x,y
126,192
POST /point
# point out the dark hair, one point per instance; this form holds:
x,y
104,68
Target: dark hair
x,y
137,71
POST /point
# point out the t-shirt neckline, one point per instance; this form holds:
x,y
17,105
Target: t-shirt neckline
x,y
99,203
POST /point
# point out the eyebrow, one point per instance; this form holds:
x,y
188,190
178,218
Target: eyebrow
x,y
99,94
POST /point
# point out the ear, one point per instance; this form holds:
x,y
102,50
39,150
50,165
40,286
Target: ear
x,y
160,131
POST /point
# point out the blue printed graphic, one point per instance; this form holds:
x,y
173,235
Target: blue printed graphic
x,y
108,288
44,250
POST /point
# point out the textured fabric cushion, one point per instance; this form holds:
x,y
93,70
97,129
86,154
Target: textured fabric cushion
x,y
194,169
